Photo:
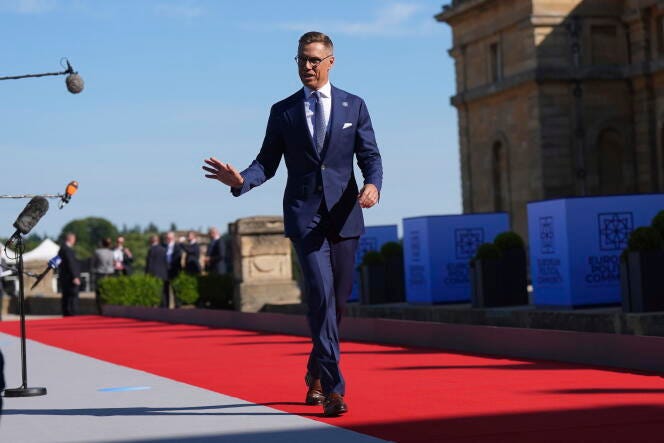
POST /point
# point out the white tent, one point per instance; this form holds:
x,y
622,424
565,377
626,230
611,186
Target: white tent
x,y
44,252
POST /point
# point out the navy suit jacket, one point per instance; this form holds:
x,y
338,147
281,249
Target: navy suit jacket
x,y
314,178
155,262
69,268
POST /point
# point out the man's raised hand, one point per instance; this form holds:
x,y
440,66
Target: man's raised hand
x,y
223,172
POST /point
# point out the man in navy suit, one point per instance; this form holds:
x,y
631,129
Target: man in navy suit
x,y
156,265
69,275
319,131
214,256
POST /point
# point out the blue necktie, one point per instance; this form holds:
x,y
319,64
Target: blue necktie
x,y
319,122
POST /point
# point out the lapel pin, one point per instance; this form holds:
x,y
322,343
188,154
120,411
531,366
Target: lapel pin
x,y
344,104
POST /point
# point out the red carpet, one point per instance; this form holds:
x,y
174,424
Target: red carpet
x,y
395,393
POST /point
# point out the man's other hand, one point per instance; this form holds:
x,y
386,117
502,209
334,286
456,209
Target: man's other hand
x,y
368,196
223,172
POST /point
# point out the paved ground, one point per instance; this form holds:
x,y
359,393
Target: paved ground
x,y
93,401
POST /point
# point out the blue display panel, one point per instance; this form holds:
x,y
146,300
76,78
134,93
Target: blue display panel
x,y
575,246
373,239
437,252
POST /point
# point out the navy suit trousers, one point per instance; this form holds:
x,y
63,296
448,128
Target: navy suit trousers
x,y
327,262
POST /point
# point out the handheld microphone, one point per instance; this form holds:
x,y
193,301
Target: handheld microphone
x,y
74,81
28,218
52,264
70,190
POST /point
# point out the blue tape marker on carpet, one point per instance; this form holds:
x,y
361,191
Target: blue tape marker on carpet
x,y
124,389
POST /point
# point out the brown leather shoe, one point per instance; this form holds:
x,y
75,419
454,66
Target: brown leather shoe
x,y
334,405
315,395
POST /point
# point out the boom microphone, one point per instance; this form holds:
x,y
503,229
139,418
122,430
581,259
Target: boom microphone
x,y
29,217
74,81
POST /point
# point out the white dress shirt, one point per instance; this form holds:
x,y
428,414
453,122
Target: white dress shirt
x,y
310,105
170,248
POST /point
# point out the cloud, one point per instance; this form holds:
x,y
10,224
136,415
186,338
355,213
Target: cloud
x,y
395,19
187,12
27,6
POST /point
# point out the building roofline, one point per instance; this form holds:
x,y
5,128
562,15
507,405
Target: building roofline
x,y
457,8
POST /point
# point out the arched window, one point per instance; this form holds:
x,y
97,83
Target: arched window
x,y
611,163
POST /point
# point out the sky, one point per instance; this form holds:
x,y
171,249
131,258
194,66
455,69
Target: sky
x,y
169,83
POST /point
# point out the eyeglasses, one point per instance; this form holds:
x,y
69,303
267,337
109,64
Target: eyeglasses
x,y
314,61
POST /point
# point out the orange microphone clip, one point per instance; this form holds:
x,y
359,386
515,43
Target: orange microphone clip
x,y
70,190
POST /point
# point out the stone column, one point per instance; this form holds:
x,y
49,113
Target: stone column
x,y
262,264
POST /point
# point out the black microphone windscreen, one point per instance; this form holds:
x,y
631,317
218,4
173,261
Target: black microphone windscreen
x,y
75,83
31,214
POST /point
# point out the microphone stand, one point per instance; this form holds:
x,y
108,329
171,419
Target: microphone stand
x,y
23,390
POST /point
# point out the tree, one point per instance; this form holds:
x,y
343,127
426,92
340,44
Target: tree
x,y
30,241
138,244
89,233
33,240
151,228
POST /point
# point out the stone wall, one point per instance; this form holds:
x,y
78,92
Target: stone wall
x,y
261,263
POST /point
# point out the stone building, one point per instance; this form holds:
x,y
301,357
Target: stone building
x,y
557,98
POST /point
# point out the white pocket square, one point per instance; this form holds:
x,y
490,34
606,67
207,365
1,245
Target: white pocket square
x,y
347,125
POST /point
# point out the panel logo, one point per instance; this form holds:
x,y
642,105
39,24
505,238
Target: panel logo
x,y
546,235
467,241
415,246
417,276
614,230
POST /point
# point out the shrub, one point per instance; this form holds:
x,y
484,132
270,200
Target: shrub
x,y
132,290
391,249
658,223
215,291
645,238
185,287
488,251
373,258
509,240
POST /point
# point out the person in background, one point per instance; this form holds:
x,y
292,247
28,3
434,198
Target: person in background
x,y
215,255
69,275
2,289
2,378
192,263
173,255
174,260
103,266
123,258
157,266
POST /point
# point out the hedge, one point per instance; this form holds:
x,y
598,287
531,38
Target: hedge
x,y
215,291
132,290
185,287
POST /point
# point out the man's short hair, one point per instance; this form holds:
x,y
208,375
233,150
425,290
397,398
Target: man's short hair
x,y
316,37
